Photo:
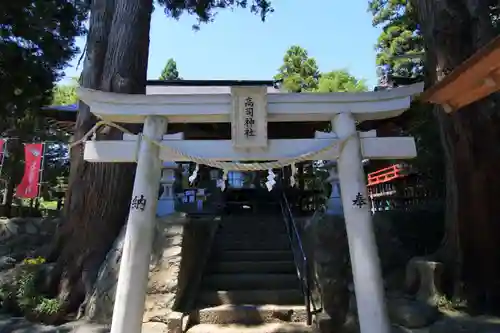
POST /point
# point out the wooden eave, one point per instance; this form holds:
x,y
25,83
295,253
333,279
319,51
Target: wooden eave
x,y
474,79
67,127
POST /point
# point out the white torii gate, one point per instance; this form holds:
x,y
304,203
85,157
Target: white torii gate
x,y
249,109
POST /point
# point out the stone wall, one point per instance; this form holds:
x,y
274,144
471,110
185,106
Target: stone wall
x,y
178,241
23,237
197,242
402,235
397,237
19,211
166,258
325,242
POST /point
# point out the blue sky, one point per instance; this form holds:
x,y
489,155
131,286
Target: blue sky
x,y
338,34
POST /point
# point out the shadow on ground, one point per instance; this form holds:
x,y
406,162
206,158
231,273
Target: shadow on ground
x,y
451,322
21,325
455,322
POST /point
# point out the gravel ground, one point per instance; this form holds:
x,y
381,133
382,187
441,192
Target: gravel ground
x,y
451,322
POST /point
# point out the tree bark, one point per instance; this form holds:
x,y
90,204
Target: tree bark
x,y
453,30
97,202
14,168
9,197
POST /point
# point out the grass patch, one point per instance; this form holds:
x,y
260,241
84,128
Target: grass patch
x,y
22,296
52,205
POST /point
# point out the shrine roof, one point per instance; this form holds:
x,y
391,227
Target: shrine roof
x,y
195,87
65,115
168,87
211,83
60,112
474,79
212,107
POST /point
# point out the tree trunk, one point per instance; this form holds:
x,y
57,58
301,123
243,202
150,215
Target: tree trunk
x,y
453,30
9,197
14,168
97,202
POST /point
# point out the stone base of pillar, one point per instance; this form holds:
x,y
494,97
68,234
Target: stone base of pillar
x,y
426,276
323,323
165,207
166,202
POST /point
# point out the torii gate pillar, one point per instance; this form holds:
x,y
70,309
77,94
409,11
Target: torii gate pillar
x,y
363,251
134,267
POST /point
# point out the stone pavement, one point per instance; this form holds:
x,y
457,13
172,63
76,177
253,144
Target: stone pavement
x,y
265,328
451,322
20,325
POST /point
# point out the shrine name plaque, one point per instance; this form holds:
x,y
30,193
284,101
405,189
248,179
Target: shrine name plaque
x,y
249,117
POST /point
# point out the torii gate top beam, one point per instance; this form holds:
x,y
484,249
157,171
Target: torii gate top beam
x,y
281,107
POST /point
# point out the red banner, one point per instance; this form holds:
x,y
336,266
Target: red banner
x,y
28,188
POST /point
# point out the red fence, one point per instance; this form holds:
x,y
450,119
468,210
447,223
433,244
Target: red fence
x,y
387,174
398,187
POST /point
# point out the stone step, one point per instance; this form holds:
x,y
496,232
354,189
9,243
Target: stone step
x,y
287,266
252,245
252,225
252,233
256,208
251,297
255,215
255,199
265,328
250,314
252,255
249,281
251,239
252,218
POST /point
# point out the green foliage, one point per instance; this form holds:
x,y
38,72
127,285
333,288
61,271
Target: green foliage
x,y
299,72
47,306
170,71
22,294
320,182
400,36
56,160
5,294
340,81
56,164
65,94
34,261
25,290
37,41
495,13
206,10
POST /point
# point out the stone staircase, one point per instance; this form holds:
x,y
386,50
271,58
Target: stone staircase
x,y
250,278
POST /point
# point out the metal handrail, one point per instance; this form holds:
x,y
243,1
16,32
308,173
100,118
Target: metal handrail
x,y
299,256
